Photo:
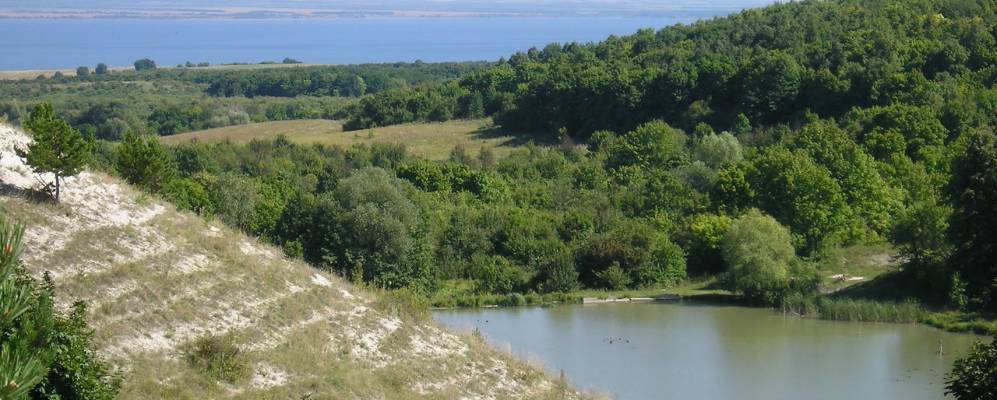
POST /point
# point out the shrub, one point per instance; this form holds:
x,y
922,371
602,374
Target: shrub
x,y
188,194
702,239
219,357
409,303
614,277
558,274
145,64
975,375
494,274
645,255
513,300
758,251
143,161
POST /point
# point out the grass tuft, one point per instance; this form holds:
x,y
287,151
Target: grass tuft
x,y
218,357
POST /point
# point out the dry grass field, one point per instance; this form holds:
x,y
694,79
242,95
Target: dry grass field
x,y
430,140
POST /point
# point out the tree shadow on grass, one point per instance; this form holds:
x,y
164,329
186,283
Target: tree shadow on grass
x,y
894,286
513,139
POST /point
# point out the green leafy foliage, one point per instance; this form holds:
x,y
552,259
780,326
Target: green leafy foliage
x,y
144,162
975,375
761,260
767,66
973,190
840,120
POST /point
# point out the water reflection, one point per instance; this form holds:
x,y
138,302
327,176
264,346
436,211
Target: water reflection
x,y
695,350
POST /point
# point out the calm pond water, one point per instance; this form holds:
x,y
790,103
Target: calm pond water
x,y
703,351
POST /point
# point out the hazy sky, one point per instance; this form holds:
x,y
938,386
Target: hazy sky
x,y
609,7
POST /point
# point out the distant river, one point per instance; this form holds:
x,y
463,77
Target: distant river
x,y
701,351
67,43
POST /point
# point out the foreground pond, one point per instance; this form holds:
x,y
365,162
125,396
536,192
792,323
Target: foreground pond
x,y
689,350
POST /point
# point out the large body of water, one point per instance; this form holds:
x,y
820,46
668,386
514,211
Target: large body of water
x,y
700,351
67,43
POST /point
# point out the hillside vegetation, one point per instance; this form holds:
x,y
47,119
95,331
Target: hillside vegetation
x,y
849,122
186,307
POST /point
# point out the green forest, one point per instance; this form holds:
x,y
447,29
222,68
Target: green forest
x,y
746,150
747,153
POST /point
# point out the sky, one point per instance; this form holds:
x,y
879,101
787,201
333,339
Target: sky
x,y
538,7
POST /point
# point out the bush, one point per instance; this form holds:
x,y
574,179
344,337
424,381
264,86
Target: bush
x,y
614,277
409,303
513,300
758,251
643,254
975,375
143,161
494,274
218,357
145,64
188,194
702,239
558,274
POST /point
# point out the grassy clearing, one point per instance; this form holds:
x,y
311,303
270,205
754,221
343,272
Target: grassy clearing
x,y
864,261
430,140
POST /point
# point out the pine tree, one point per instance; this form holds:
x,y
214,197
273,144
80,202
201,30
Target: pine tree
x,y
43,355
57,147
24,324
143,161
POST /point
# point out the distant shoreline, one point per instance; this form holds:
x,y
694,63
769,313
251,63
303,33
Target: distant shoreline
x,y
69,72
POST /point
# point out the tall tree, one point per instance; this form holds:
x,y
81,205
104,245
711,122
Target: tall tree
x,y
973,191
57,147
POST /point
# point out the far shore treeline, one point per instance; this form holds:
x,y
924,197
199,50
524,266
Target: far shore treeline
x,y
105,103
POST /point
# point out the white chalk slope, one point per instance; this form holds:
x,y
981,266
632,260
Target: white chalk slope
x,y
155,279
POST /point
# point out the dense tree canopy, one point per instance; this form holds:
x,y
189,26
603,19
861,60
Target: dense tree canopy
x,y
769,65
973,190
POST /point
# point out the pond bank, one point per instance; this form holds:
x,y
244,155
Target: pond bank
x,y
818,307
